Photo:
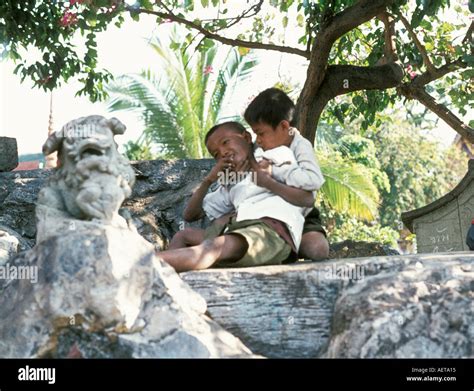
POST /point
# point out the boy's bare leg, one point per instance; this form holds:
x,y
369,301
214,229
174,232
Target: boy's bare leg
x,y
314,245
223,248
186,238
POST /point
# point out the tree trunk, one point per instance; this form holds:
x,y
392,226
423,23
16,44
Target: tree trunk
x,y
340,80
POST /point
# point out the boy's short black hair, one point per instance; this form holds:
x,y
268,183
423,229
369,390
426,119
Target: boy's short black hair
x,y
271,107
232,125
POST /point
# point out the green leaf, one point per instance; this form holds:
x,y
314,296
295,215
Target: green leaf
x,y
417,17
300,20
147,4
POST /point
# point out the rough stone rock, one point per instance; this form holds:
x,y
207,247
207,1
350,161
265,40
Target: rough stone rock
x,y
395,306
353,249
18,195
11,243
8,247
99,291
8,154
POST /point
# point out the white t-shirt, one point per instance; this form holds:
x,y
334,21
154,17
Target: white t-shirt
x,y
254,202
304,173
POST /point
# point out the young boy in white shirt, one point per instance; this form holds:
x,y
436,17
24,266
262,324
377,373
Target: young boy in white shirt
x,y
267,227
271,116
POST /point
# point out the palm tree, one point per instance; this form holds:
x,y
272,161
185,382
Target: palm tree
x,y
183,97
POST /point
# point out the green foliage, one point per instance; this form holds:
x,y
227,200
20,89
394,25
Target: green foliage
x,y
138,151
361,150
40,24
348,187
49,28
409,169
350,228
417,168
180,105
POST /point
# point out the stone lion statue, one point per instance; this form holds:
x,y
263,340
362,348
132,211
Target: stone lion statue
x,y
92,179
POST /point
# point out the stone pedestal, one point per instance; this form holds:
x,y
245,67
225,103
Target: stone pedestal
x,y
8,154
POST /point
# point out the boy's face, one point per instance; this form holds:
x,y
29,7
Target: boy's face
x,y
269,137
230,144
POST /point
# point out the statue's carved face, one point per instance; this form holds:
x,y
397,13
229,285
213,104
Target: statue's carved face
x,y
89,141
85,137
94,178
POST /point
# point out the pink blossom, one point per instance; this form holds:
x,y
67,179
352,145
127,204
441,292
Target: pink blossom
x,y
72,2
410,71
69,18
208,69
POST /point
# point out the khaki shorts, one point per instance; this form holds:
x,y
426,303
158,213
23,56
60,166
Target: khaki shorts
x,y
266,247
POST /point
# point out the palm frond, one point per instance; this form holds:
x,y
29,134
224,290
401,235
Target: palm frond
x,y
348,188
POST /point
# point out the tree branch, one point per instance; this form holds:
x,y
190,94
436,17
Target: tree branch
x,y
219,38
247,14
439,109
354,16
468,37
438,73
342,79
389,54
419,45
335,27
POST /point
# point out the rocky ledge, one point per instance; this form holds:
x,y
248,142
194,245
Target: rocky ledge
x,y
396,306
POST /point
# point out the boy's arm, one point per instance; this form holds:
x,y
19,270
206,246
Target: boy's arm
x,y
194,209
305,174
297,197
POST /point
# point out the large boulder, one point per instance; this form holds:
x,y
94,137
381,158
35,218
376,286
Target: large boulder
x,y
414,306
98,291
8,154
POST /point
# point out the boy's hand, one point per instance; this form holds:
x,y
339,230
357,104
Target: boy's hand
x,y
265,165
263,172
263,178
220,166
